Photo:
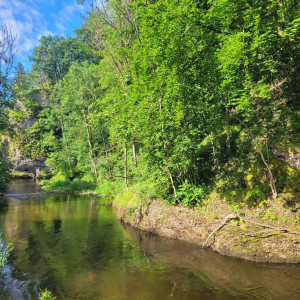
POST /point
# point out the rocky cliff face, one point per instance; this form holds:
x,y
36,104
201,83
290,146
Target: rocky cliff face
x,y
23,164
293,159
288,153
19,162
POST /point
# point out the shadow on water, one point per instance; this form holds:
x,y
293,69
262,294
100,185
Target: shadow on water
x,y
75,246
3,206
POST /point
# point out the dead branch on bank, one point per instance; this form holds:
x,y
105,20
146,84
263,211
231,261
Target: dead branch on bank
x,y
228,217
255,234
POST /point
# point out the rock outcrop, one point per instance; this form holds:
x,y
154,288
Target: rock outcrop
x,y
20,163
289,154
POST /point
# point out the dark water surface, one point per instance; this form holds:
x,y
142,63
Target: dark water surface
x,y
75,246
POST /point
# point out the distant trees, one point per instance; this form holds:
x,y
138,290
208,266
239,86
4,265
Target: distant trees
x,y
55,54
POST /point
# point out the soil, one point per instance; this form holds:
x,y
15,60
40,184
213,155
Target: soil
x,y
247,241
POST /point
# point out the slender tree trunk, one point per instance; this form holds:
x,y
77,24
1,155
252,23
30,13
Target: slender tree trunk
x,y
134,153
272,182
105,149
63,134
125,164
165,146
89,136
173,186
196,170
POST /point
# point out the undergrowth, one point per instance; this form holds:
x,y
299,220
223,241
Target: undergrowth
x,y
59,182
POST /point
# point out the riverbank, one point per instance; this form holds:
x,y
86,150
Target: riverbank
x,y
247,234
27,175
269,232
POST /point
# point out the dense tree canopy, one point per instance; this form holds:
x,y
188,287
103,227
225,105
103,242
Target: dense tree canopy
x,y
172,97
55,54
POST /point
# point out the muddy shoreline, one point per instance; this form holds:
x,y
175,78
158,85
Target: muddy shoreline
x,y
178,222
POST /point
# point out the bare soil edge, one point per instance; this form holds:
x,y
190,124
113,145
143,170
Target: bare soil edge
x,y
186,224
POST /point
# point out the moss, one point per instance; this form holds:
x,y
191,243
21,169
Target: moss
x,y
288,145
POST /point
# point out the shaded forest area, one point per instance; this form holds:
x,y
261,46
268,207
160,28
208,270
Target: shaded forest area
x,y
175,100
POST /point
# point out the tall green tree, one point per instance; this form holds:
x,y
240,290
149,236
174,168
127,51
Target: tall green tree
x,y
55,54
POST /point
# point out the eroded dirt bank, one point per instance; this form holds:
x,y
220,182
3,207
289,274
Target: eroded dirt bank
x,y
239,237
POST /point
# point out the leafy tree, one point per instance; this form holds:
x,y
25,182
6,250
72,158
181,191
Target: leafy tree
x,y
185,91
4,176
55,54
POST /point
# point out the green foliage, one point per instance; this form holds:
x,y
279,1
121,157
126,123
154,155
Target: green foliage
x,y
110,188
268,214
46,295
4,175
55,54
149,95
17,116
58,182
190,195
4,253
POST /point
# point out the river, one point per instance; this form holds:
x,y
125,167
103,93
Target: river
x,y
75,246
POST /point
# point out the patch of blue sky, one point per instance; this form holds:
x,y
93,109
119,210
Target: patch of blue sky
x,y
30,19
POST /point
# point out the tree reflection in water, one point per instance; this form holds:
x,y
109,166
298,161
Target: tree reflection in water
x,y
75,246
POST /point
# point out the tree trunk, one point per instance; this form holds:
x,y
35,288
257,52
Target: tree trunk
x,y
106,153
134,153
89,136
196,170
125,165
172,182
64,140
272,182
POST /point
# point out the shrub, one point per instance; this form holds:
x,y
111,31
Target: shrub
x,y
59,183
4,253
189,194
46,295
4,176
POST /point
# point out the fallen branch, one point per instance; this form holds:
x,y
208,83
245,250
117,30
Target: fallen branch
x,y
228,217
235,216
268,226
254,235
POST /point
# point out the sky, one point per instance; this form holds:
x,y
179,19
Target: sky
x,y
30,19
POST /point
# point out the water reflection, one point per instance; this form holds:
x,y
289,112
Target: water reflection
x,y
3,206
24,187
76,247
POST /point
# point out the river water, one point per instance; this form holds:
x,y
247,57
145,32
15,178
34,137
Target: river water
x,y
75,246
